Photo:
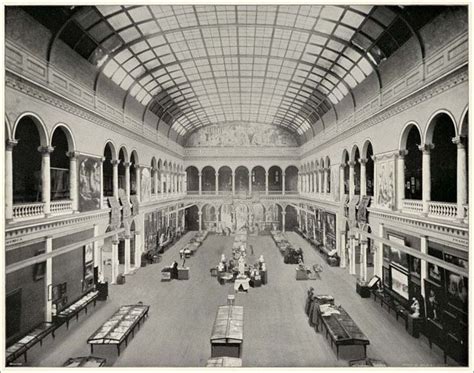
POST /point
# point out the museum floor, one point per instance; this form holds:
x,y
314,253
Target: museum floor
x,y
276,329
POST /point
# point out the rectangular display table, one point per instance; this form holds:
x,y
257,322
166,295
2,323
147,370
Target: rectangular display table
x,y
116,330
227,332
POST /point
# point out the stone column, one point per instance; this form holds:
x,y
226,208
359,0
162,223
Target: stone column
x,y
379,254
155,180
341,182
461,176
138,181
266,183
127,179
424,264
283,221
306,222
200,182
401,178
363,258
233,182
9,179
351,180
321,181
138,251
363,177
426,150
283,180
162,184
352,264
250,182
48,280
102,202
46,178
315,181
115,242
115,163
217,183
127,254
73,184
200,220
342,253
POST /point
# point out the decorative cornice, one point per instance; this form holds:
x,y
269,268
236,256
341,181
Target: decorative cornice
x,y
35,90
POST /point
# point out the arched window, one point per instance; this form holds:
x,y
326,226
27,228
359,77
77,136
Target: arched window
x,y
413,165
225,179
356,171
328,177
241,179
369,170
59,162
108,171
443,160
346,172
133,173
192,179
27,163
258,179
121,168
208,179
291,179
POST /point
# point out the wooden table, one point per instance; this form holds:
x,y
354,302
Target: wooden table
x,y
121,324
342,330
227,332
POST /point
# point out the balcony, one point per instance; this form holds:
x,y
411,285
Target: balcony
x,y
412,206
28,210
443,210
61,207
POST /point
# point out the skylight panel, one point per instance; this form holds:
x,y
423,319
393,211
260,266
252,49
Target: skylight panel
x,y
140,14
156,40
344,32
331,12
352,19
119,75
110,68
350,80
358,74
365,66
129,34
148,28
127,82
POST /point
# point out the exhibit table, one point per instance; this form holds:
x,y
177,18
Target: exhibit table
x,y
34,336
85,362
340,327
242,282
117,329
227,332
183,273
185,251
74,309
224,361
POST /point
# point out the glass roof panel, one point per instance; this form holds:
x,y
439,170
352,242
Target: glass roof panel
x,y
275,64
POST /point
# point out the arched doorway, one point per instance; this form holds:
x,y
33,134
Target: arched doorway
x,y
274,179
241,179
60,163
258,179
356,160
413,165
208,179
291,218
345,162
225,179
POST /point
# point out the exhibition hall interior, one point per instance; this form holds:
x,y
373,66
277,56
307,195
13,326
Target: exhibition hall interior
x,y
236,185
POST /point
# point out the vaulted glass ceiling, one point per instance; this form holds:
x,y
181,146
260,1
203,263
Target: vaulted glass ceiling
x,y
195,65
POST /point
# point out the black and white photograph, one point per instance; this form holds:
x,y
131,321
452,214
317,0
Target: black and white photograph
x,y
267,185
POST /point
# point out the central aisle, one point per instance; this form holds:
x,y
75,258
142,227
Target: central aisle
x,y
276,329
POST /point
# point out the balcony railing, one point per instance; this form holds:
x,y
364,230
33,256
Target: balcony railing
x,y
412,206
61,207
28,210
443,209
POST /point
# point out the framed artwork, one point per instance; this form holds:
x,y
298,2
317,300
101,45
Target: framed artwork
x,y
89,253
435,301
399,282
415,266
435,273
56,293
397,256
39,269
386,253
457,290
386,277
63,288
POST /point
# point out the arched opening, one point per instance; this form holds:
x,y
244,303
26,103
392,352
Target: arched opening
x,y
316,170
27,162
192,179
226,218
443,163
241,179
159,174
209,218
121,168
59,163
291,218
274,179
291,179
108,172
356,160
311,178
132,244
413,165
369,170
225,179
191,218
208,179
258,179
464,133
133,174
346,172
165,175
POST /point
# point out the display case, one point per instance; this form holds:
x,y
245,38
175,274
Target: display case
x,y
227,332
85,362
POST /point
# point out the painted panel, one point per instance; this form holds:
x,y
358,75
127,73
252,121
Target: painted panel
x,y
89,184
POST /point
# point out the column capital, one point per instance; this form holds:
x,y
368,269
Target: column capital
x,y
351,164
364,241
374,157
363,161
72,155
115,162
200,174
426,148
283,213
137,166
115,241
342,166
10,144
199,213
321,170
102,159
283,174
45,149
460,141
402,153
126,164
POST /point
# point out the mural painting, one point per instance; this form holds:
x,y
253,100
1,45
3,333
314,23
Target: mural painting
x,y
241,134
241,216
89,184
145,185
385,193
209,217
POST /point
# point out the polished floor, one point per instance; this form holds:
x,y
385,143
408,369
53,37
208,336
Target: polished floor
x,y
276,329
